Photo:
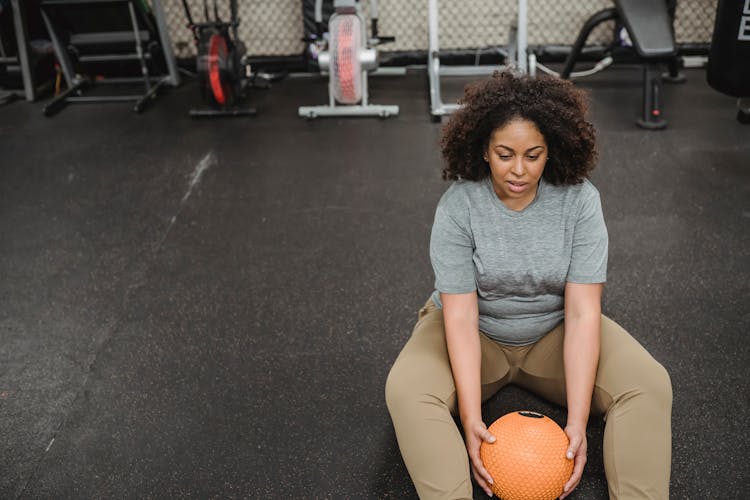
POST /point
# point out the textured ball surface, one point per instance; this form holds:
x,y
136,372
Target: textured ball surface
x,y
527,460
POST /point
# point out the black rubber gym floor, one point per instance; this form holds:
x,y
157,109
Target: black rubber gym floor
x,y
209,309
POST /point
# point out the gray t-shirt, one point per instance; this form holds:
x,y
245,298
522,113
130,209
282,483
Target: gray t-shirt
x,y
518,262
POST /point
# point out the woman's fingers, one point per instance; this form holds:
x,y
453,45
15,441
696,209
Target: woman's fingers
x,y
487,435
478,434
476,463
480,480
575,477
576,451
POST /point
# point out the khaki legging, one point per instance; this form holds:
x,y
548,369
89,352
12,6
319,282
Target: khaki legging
x,y
632,391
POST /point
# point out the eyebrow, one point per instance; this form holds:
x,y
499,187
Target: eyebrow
x,y
511,149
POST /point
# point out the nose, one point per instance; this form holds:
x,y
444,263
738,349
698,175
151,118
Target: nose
x,y
518,167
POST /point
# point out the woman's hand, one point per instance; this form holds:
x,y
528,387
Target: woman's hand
x,y
577,452
476,432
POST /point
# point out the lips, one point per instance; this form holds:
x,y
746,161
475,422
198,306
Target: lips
x,y
516,186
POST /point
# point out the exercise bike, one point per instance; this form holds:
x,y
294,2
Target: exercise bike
x,y
220,63
347,57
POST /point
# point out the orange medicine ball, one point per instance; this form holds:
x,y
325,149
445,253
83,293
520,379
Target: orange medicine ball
x,y
527,460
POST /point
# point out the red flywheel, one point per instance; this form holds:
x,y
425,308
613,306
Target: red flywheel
x,y
346,68
218,63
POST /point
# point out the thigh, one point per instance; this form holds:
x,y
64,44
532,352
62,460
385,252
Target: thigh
x,y
626,368
542,371
624,365
424,366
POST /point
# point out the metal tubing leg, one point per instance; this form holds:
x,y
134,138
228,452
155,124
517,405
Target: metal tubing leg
x,y
139,48
59,102
517,57
374,110
522,44
141,103
433,60
22,42
61,52
166,42
652,118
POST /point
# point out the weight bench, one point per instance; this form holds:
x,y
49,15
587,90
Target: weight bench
x,y
650,29
90,35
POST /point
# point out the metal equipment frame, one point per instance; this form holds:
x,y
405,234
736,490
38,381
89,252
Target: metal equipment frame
x,y
22,59
517,55
655,22
76,83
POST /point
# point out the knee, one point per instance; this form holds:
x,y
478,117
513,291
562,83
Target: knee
x,y
399,390
655,385
661,385
392,390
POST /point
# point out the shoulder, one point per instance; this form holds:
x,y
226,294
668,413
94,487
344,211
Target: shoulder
x,y
464,192
460,196
588,190
576,194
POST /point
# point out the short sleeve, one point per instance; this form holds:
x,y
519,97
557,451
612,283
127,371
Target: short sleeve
x,y
588,263
451,254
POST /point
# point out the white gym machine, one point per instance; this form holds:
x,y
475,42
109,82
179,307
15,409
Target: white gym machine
x,y
347,58
517,57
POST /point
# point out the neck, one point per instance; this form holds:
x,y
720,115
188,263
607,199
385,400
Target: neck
x,y
517,204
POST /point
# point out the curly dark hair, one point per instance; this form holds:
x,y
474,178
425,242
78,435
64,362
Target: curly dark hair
x,y
555,106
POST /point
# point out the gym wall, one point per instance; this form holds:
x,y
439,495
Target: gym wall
x,y
275,27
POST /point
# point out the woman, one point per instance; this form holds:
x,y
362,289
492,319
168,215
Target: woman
x,y
519,250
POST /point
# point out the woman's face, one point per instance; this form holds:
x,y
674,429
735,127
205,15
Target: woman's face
x,y
516,154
